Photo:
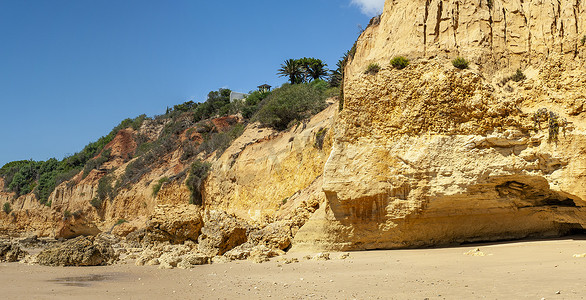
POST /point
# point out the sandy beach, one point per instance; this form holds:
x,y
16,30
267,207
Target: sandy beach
x,y
533,269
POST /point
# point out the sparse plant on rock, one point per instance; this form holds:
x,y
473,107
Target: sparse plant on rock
x,y
583,40
320,137
554,121
104,191
6,208
399,62
518,76
372,69
197,174
460,63
158,185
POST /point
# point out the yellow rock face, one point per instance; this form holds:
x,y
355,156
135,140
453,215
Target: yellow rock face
x,y
434,155
263,170
496,34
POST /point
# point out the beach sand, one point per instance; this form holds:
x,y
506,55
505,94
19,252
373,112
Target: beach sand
x,y
533,269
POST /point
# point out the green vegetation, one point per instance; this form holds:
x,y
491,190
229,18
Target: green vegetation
x,y
158,185
185,127
554,121
6,208
303,70
292,103
252,103
399,62
518,76
220,141
460,63
337,76
372,69
105,190
41,177
583,40
320,137
197,174
121,221
66,214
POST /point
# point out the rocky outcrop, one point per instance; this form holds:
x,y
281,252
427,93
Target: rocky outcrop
x,y
222,232
496,34
175,224
76,225
263,170
11,253
80,251
434,155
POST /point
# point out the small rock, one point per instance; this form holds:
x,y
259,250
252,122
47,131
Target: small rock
x,y
322,256
475,252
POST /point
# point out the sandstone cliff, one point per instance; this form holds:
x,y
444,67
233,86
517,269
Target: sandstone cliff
x,y
426,155
434,155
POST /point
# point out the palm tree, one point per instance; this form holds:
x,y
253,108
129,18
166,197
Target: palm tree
x,y
315,68
292,69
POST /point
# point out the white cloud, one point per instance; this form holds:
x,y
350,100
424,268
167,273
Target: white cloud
x,y
370,7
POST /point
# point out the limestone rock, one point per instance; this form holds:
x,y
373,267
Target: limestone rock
x,y
174,223
261,253
221,233
321,256
190,260
11,252
275,235
74,226
435,155
80,251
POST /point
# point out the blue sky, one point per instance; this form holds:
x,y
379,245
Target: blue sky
x,y
72,70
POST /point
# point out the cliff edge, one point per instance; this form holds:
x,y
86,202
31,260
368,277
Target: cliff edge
x,y
435,155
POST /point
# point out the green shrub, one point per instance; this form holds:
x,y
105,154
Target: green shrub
x,y
105,191
95,163
399,62
289,103
197,174
518,76
583,40
96,203
320,137
251,103
66,214
6,208
554,121
158,185
372,69
121,221
220,141
460,63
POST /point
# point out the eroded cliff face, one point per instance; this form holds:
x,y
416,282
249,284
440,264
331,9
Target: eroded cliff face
x,y
434,155
265,171
496,34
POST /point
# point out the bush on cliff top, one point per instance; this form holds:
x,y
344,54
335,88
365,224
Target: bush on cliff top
x,y
292,103
372,69
460,63
399,62
6,208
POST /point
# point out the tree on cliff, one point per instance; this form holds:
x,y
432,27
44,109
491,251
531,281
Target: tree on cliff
x,y
303,70
292,69
313,68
